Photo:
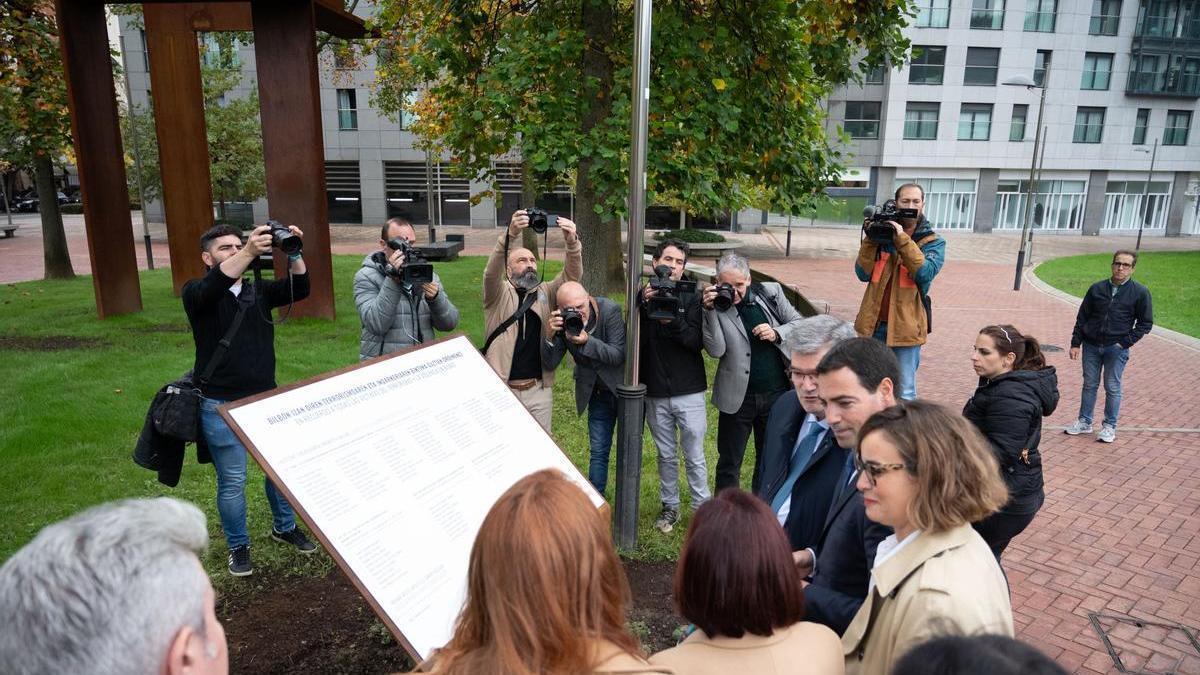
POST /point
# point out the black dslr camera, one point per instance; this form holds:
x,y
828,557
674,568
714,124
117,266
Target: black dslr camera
x,y
572,322
667,292
878,230
724,297
283,239
415,270
539,220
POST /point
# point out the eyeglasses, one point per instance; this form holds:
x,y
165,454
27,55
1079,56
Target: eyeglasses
x,y
1121,264
873,471
801,375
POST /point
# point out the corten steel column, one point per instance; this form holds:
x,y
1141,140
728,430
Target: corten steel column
x,y
293,147
83,41
182,140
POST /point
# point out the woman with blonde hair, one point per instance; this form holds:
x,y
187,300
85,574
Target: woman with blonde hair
x,y
545,590
928,474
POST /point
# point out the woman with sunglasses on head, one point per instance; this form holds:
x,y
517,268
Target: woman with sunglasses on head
x,y
928,474
1016,390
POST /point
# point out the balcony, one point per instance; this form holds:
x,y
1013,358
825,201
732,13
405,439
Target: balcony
x,y
1171,83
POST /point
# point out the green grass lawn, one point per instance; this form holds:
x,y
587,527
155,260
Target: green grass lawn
x,y
70,417
1170,276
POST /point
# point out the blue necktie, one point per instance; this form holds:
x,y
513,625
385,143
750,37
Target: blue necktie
x,y
847,475
799,460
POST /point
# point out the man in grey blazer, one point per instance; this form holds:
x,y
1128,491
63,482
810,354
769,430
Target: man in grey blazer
x,y
599,353
748,338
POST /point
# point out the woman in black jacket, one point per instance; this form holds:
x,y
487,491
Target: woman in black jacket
x,y
1016,390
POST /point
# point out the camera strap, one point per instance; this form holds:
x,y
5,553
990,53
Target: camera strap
x,y
223,346
526,303
258,282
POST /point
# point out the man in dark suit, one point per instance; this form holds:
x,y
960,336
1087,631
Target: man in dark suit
x,y
855,379
594,333
801,460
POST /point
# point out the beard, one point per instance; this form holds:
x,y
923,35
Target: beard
x,y
525,280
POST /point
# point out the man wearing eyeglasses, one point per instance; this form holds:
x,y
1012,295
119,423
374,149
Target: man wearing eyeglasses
x,y
855,379
1115,313
801,460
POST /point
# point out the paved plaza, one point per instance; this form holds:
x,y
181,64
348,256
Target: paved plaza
x,y
1115,552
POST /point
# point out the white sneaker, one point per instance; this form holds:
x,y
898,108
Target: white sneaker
x,y
1107,434
1079,427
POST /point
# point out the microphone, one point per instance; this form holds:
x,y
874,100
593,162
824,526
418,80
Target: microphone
x,y
868,211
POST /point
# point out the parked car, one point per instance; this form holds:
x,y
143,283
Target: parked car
x,y
28,202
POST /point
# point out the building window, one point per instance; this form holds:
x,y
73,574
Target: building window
x,y
1156,18
1057,204
933,13
927,65
145,51
987,14
862,119
1041,66
1020,114
407,115
1106,17
1089,125
347,108
921,121
1178,124
982,64
949,202
975,122
875,75
343,192
219,52
1139,126
1128,204
1039,15
1097,70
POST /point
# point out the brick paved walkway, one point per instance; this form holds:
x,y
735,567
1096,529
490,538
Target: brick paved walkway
x,y
1119,534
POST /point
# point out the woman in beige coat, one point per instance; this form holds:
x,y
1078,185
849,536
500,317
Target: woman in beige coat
x,y
737,584
927,473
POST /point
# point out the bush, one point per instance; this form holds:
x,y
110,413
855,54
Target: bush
x,y
66,209
691,236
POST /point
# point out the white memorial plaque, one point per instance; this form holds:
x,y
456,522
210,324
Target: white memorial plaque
x,y
393,464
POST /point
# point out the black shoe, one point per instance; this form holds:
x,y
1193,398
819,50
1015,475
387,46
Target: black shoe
x,y
239,561
295,538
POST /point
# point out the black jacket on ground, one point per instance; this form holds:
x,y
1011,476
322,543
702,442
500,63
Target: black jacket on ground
x,y
248,367
1104,319
814,488
671,363
1009,411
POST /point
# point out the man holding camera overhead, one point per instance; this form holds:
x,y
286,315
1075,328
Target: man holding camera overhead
x,y
745,326
516,309
592,329
398,308
899,258
235,358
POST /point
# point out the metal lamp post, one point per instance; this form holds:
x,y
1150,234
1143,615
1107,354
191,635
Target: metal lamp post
x,y
1146,194
1026,228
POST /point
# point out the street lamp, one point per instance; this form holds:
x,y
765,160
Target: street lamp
x,y
1028,83
1146,193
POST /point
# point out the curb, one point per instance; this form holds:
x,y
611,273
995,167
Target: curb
x,y
1166,334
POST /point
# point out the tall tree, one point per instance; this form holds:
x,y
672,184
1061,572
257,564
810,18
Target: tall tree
x,y
35,124
735,104
235,149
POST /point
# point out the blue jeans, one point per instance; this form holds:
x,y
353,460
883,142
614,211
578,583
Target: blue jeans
x,y
1111,360
910,360
602,418
229,458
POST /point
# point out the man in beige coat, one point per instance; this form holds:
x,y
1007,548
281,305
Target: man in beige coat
x,y
515,335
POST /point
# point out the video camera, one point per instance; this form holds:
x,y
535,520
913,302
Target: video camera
x,y
724,298
539,220
415,270
878,230
283,239
667,293
572,322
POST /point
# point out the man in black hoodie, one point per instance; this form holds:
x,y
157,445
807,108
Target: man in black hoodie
x,y
1115,313
672,369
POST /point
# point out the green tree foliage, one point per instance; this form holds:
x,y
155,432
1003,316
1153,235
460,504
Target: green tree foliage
x,y
35,124
735,98
235,149
138,136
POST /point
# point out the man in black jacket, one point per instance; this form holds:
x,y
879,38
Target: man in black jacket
x,y
672,369
246,367
1115,313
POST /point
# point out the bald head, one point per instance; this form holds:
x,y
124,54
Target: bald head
x,y
572,295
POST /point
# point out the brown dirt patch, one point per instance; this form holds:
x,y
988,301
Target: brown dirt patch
x,y
48,343
322,624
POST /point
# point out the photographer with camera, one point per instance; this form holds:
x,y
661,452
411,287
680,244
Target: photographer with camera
x,y
593,330
235,358
400,298
898,258
672,368
516,309
745,326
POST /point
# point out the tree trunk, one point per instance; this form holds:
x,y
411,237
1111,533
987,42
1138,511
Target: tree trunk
x,y
529,195
603,264
56,259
